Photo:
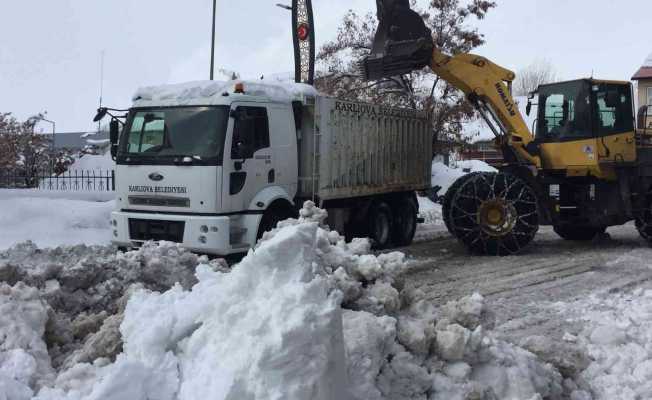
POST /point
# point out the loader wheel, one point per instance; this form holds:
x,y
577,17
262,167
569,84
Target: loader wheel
x,y
380,225
644,222
405,222
578,233
450,193
494,214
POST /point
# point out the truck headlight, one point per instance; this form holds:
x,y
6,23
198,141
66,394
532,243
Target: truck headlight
x,y
203,229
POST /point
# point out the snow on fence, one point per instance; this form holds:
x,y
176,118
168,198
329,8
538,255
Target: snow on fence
x,y
75,181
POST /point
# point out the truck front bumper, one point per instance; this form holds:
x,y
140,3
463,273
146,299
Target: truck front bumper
x,y
205,235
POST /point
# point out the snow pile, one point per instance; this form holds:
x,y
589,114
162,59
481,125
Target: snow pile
x,y
444,176
52,222
618,337
91,162
304,315
211,92
430,211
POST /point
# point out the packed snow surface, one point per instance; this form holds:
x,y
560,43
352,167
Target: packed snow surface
x,y
211,92
51,222
304,315
617,336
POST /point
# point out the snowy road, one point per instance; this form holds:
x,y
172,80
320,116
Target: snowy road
x,y
523,290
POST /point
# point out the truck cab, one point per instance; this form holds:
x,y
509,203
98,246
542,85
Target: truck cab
x,y
200,165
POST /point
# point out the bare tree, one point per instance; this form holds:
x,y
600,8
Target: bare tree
x,y
531,77
449,22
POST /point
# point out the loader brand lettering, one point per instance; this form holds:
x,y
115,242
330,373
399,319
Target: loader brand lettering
x,y
376,111
508,103
159,189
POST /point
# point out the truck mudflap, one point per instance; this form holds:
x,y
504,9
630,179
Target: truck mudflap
x,y
201,234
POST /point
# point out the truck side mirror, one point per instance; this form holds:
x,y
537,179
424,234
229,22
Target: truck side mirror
x,y
528,108
114,136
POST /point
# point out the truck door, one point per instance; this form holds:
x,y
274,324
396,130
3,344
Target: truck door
x,y
248,157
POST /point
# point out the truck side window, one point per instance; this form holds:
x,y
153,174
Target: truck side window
x,y
250,132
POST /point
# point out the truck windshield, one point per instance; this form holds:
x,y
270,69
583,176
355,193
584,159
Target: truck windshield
x,y
163,135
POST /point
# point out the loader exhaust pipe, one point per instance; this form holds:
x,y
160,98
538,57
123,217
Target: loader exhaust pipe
x,y
402,43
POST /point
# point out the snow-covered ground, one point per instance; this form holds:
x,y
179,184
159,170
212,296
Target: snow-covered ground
x,y
309,316
52,219
303,316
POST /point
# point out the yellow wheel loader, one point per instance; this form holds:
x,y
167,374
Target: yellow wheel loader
x,y
586,167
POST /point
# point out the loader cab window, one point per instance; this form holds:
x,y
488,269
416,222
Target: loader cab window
x,y
614,112
250,132
564,112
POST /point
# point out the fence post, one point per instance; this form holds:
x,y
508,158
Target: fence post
x,y
113,180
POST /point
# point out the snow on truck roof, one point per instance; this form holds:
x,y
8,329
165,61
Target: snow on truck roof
x,y
212,93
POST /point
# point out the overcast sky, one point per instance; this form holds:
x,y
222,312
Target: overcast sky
x,y
51,50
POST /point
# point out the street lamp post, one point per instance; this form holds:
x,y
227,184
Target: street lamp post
x,y
213,40
54,129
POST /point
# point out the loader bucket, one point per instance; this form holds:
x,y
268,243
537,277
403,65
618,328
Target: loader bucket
x,y
402,44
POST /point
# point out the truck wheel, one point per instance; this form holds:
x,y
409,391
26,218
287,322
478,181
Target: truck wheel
x,y
405,222
380,225
450,193
494,214
578,233
272,217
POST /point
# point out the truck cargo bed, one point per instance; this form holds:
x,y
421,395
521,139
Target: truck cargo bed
x,y
356,149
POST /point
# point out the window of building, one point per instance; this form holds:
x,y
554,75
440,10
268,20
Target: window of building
x,y
649,99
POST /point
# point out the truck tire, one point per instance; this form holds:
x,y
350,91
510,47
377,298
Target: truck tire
x,y
380,225
494,214
450,193
405,222
578,233
272,216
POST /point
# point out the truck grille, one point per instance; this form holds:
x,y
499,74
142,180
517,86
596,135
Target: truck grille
x,y
159,201
144,230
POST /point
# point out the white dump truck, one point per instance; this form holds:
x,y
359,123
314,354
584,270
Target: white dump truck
x,y
214,165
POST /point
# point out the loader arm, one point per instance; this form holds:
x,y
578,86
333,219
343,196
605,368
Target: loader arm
x,y
488,87
403,44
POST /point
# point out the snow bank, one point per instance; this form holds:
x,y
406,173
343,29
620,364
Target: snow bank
x,y
444,176
430,211
304,315
52,222
90,162
210,92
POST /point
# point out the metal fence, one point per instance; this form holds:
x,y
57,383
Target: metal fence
x,y
74,181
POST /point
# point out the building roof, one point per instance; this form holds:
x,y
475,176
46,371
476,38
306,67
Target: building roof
x,y
645,72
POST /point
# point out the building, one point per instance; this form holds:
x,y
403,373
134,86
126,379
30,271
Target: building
x,y
643,77
484,150
78,140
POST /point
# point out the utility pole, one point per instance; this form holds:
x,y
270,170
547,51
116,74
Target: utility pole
x,y
213,40
99,126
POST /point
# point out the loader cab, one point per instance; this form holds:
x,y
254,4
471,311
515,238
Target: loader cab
x,y
584,126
